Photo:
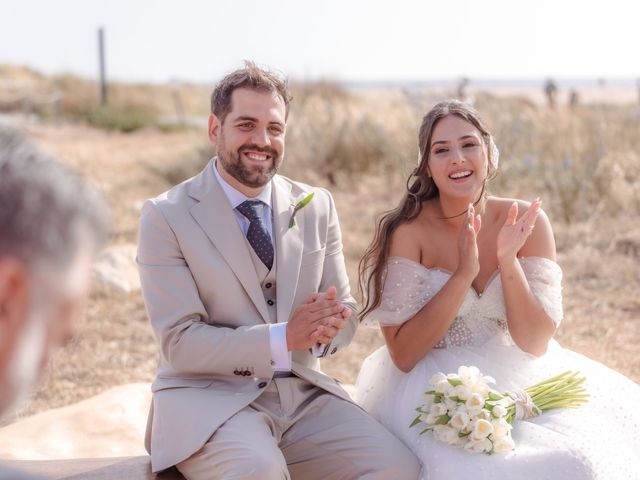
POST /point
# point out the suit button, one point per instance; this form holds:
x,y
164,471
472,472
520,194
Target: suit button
x,y
262,384
270,302
267,285
335,349
246,373
237,372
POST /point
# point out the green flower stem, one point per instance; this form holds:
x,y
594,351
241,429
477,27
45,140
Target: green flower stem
x,y
565,390
299,206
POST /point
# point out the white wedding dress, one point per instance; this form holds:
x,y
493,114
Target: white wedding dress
x,y
599,440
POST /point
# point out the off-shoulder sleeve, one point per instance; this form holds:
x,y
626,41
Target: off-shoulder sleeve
x,y
545,280
408,286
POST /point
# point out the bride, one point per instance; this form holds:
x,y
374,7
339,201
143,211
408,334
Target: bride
x,y
456,277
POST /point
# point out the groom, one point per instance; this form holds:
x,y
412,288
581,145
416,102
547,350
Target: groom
x,y
245,286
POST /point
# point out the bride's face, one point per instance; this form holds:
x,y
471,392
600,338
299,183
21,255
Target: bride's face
x,y
458,161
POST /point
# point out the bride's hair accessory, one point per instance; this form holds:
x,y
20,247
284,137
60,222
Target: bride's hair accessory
x,y
495,154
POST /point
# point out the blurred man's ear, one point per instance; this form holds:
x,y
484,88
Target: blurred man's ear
x,y
13,299
214,128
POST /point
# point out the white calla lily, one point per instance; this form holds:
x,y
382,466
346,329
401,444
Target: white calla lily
x,y
460,420
437,378
443,387
499,411
463,392
501,428
474,403
482,429
504,444
438,409
446,434
478,446
469,375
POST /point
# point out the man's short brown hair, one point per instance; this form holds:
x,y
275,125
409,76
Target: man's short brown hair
x,y
253,78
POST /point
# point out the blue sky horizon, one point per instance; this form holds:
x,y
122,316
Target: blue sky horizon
x,y
353,41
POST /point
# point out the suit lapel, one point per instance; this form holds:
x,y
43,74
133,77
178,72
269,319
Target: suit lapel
x,y
215,216
289,243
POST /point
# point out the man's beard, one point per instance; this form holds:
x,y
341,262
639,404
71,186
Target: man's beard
x,y
255,176
23,370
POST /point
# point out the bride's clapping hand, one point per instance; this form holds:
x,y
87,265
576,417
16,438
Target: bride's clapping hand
x,y
514,234
468,263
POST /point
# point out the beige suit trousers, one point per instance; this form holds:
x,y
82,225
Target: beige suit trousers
x,y
296,430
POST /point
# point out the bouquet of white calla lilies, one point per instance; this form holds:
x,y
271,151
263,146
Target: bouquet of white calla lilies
x,y
462,409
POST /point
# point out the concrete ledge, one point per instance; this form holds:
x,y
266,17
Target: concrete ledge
x,y
129,468
111,424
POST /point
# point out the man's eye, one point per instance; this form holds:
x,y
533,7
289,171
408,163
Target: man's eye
x,y
276,130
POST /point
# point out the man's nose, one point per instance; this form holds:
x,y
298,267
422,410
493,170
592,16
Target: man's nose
x,y
261,137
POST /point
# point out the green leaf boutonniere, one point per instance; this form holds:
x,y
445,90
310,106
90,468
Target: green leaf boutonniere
x,y
300,204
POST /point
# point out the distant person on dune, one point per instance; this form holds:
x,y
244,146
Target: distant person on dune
x,y
551,90
462,92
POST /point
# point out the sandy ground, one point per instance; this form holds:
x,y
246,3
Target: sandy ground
x,y
115,344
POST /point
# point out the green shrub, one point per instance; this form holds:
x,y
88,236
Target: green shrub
x,y
124,120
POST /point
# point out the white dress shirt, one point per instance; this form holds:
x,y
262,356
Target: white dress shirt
x,y
280,355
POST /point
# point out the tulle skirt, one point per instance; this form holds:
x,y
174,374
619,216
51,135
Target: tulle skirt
x,y
599,440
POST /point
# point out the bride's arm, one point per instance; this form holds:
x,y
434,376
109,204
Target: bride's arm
x,y
410,342
529,325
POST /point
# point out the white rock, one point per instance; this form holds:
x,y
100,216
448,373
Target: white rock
x,y
116,268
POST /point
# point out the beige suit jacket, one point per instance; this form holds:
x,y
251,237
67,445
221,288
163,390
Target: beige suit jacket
x,y
208,311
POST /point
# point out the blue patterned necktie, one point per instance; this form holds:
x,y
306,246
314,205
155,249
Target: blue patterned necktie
x,y
257,235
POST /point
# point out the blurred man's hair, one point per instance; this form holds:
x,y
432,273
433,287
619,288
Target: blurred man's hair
x,y
253,78
46,210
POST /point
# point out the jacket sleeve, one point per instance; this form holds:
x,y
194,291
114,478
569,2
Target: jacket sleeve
x,y
335,273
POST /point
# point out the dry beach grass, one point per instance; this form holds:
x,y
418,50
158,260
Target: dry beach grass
x,y
584,163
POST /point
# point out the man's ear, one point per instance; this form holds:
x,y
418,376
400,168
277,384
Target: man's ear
x,y
14,296
214,128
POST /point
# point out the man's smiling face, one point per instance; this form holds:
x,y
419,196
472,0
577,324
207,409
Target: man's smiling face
x,y
250,139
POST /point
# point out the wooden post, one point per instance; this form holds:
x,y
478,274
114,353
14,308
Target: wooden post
x,y
177,102
103,77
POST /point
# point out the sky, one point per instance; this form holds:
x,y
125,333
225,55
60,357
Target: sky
x,y
344,40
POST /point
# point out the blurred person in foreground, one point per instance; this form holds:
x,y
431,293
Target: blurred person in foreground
x,y
245,286
456,277
51,225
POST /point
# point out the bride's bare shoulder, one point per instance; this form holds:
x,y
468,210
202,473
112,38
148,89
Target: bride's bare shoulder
x,y
404,242
407,239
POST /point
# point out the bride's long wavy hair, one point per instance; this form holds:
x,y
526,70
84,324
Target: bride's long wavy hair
x,y
420,188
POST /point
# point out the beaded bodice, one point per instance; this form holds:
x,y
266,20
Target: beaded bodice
x,y
409,286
